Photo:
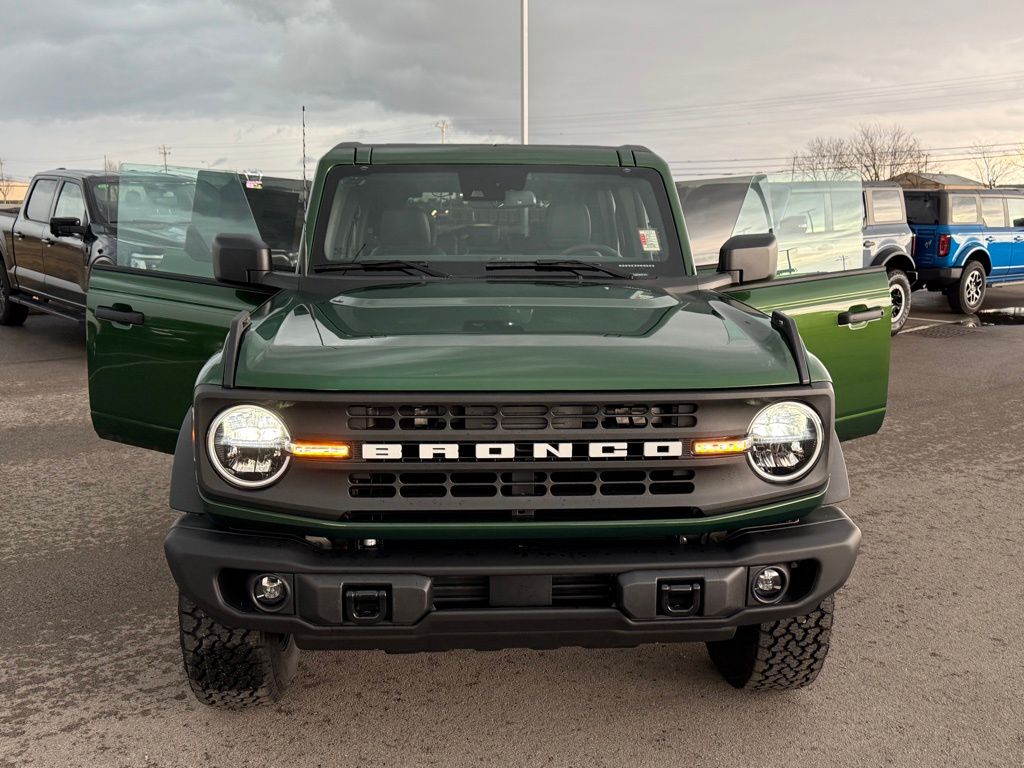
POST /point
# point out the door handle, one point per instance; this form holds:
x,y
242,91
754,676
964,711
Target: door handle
x,y
989,239
869,243
853,317
1018,238
20,235
124,316
47,241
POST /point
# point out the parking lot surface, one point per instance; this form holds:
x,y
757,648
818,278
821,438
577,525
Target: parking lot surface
x,y
925,668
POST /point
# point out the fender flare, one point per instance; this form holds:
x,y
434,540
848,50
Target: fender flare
x,y
839,481
184,495
975,252
893,253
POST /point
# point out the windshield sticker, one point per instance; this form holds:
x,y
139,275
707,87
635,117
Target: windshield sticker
x,y
649,239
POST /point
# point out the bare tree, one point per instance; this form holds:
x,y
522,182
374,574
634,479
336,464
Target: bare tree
x,y
991,164
110,166
881,152
823,159
875,152
5,183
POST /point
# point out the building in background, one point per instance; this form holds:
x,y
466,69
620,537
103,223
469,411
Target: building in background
x,y
12,192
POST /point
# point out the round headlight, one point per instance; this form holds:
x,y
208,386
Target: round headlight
x,y
248,446
786,440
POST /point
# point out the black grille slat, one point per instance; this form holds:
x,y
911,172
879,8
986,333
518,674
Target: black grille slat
x,y
521,483
520,417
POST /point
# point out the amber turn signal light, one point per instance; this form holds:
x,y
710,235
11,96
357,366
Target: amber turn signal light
x,y
720,446
302,449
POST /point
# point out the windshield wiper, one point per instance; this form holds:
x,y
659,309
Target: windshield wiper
x,y
382,265
559,265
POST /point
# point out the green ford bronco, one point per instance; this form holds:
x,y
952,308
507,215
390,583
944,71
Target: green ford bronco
x,y
490,403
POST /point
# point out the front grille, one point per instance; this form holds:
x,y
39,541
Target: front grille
x,y
515,484
520,417
578,590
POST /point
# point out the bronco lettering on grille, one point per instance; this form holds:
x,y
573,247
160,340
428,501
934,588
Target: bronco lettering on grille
x,y
651,449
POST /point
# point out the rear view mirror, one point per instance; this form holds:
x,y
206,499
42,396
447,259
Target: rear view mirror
x,y
240,259
750,258
66,226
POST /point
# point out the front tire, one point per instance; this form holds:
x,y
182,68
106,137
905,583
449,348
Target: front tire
x,y
967,296
233,668
899,289
10,313
778,656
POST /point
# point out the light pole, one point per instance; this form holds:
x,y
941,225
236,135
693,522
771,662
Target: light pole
x,y
525,58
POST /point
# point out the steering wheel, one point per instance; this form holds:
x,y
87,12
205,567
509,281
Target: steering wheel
x,y
604,250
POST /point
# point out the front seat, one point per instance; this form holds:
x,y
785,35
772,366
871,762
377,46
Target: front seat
x,y
566,225
404,232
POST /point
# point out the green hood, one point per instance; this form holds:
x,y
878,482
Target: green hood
x,y
511,336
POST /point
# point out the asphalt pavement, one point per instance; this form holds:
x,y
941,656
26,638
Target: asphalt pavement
x,y
925,670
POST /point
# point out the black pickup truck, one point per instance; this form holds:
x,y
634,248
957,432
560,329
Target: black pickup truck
x,y
73,220
49,246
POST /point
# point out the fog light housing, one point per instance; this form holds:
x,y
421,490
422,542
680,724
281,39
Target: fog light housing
x,y
269,591
769,584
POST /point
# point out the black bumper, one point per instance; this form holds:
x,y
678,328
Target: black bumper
x,y
933,276
490,595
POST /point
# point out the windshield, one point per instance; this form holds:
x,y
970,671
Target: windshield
x,y
463,220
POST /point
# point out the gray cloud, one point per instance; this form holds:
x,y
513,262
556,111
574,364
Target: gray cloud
x,y
223,82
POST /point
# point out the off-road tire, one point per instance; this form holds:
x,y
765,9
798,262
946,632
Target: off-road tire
x,y
967,296
10,313
779,656
900,290
233,668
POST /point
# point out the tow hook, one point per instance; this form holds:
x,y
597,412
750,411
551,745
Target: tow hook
x,y
679,598
366,606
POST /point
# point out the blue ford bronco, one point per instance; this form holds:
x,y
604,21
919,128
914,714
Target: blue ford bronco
x,y
966,241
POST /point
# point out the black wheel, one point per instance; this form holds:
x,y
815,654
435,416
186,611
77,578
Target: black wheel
x,y
967,296
899,288
779,656
233,668
10,313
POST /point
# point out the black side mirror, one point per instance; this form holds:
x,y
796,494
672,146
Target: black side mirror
x,y
240,259
750,258
66,226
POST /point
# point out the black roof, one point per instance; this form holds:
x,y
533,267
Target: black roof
x,y
70,173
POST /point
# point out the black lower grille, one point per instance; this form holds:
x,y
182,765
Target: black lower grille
x,y
591,514
520,484
578,590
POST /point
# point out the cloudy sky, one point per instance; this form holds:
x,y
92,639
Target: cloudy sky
x,y
715,86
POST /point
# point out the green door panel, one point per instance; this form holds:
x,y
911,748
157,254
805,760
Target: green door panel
x,y
856,356
141,377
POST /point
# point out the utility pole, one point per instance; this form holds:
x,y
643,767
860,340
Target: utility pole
x,y
444,125
525,59
165,151
303,150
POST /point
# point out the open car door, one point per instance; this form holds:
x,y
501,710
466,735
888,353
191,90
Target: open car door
x,y
844,319
155,315
844,315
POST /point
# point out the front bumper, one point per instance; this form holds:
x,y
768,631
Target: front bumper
x,y
490,595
